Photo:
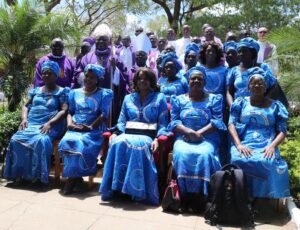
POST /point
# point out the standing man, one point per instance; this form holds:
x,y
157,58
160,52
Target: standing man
x,y
126,53
115,76
184,41
66,65
266,50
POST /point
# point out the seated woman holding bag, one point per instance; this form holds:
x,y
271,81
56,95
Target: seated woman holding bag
x,y
42,121
257,125
196,119
88,111
129,167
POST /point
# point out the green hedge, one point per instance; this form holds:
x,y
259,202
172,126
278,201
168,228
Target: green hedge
x,y
9,123
290,151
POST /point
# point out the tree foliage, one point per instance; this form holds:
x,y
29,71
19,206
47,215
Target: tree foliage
x,y
25,28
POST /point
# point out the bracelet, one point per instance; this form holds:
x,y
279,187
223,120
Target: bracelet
x,y
90,127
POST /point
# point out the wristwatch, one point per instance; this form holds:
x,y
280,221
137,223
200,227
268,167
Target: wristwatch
x,y
90,127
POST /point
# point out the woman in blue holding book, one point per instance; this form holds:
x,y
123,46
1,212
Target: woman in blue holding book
x,y
129,167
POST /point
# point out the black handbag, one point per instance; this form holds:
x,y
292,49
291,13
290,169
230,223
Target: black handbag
x,y
141,128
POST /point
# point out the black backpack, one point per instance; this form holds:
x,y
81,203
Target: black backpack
x,y
228,200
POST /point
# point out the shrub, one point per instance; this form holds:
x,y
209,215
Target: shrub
x,y
9,123
290,151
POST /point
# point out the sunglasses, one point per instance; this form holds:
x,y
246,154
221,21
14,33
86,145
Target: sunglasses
x,y
263,32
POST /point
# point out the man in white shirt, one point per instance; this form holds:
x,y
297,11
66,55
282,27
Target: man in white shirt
x,y
184,41
126,53
267,51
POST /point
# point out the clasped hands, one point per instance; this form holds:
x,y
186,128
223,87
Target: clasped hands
x,y
79,128
247,152
193,136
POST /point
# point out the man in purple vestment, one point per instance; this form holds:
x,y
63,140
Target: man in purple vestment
x,y
66,65
115,76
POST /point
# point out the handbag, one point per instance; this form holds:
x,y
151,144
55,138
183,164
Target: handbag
x,y
171,200
141,128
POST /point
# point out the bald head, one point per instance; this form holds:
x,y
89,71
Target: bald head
x,y
57,46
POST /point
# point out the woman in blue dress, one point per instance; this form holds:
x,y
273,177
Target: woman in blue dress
x,y
196,119
88,110
237,79
42,121
129,167
230,51
210,57
258,125
191,58
172,83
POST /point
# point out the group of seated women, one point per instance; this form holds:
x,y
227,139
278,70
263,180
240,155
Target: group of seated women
x,y
197,98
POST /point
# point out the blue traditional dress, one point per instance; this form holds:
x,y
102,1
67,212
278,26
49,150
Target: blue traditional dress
x,y
177,87
29,152
240,79
80,150
257,128
216,80
194,163
130,166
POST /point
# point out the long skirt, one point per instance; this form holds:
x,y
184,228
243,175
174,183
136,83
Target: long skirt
x,y
130,169
194,163
266,178
79,151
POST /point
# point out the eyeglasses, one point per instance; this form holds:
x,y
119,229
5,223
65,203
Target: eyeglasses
x,y
263,32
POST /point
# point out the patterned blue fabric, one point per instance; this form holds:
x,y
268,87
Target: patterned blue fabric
x,y
216,80
231,45
96,69
239,79
29,152
130,166
194,163
52,66
80,150
249,43
257,128
177,87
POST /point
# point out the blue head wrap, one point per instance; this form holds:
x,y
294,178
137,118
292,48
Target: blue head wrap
x,y
249,43
96,69
231,45
195,70
257,72
171,57
192,46
52,66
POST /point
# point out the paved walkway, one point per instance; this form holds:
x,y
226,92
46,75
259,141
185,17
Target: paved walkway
x,y
35,208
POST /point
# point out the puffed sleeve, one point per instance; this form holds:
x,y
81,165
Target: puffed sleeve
x,y
32,93
64,95
71,102
230,76
185,85
123,117
281,117
175,113
235,114
107,96
217,112
163,116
